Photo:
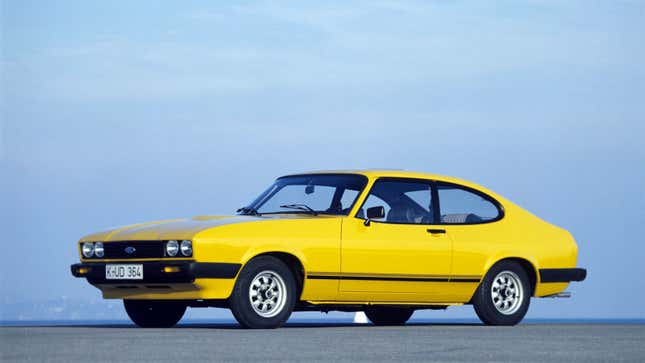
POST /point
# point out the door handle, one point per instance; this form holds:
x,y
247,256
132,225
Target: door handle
x,y
436,231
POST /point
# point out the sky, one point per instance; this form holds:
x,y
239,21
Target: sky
x,y
120,112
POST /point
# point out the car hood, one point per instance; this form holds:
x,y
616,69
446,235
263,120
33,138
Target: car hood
x,y
167,229
182,228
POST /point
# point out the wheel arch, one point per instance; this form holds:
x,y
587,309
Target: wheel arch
x,y
527,265
292,261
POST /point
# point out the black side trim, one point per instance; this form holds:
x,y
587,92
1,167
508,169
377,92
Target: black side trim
x,y
153,272
375,278
459,279
379,278
322,277
562,274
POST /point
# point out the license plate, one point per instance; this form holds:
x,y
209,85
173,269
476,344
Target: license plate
x,y
124,272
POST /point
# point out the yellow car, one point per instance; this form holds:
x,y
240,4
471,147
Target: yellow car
x,y
380,241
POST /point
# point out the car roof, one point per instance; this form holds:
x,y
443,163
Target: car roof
x,y
399,173
393,173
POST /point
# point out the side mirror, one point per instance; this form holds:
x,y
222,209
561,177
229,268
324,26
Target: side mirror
x,y
374,213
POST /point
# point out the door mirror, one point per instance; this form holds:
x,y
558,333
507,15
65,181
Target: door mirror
x,y
374,213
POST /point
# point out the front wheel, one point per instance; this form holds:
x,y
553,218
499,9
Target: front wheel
x,y
385,315
264,294
503,296
154,313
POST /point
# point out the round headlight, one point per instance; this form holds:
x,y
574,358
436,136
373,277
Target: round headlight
x,y
172,247
186,248
88,249
98,249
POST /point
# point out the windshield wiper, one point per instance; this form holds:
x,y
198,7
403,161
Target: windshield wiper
x,y
302,207
248,211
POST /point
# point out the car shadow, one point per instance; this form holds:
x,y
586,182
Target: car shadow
x,y
316,325
228,325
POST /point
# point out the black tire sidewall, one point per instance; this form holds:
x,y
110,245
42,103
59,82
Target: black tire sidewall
x,y
483,303
241,305
154,313
386,315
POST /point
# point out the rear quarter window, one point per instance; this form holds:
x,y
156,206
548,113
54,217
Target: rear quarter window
x,y
460,205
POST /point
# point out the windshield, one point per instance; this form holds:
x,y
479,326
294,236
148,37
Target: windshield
x,y
313,194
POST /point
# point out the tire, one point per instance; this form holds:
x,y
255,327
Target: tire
x,y
154,313
385,315
503,297
264,294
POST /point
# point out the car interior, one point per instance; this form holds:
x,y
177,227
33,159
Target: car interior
x,y
396,198
410,203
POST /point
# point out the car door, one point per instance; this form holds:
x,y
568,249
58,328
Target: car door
x,y
401,257
469,217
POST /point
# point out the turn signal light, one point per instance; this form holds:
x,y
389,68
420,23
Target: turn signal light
x,y
171,269
83,270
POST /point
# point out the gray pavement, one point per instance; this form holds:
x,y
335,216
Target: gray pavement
x,y
326,342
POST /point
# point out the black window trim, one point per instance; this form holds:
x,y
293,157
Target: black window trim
x,y
497,204
436,202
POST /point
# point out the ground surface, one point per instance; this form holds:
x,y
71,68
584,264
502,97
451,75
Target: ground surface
x,y
326,342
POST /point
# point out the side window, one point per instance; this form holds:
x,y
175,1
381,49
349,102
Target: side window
x,y
405,202
461,206
423,198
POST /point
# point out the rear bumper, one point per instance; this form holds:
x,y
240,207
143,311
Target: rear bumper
x,y
153,272
562,274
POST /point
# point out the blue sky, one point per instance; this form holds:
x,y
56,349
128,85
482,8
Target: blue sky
x,y
121,112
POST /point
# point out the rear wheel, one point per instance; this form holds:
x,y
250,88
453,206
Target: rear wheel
x,y
154,313
385,315
504,295
264,294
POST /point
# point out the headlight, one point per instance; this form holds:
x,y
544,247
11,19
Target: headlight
x,y
98,249
172,247
88,249
186,248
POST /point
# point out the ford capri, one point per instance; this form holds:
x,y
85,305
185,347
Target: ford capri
x,y
379,241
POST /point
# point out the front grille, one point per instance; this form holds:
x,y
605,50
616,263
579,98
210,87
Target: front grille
x,y
138,249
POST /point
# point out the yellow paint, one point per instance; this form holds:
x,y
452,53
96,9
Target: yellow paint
x,y
333,245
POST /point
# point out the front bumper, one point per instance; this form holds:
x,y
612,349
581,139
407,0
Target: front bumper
x,y
154,272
